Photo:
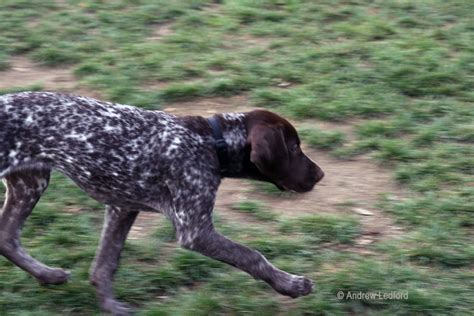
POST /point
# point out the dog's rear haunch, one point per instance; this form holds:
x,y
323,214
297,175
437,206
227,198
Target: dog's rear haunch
x,y
135,160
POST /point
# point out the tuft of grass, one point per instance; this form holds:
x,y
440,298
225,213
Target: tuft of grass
x,y
268,188
182,92
195,266
382,128
278,247
396,150
35,87
55,56
256,209
165,232
318,138
4,64
321,229
209,299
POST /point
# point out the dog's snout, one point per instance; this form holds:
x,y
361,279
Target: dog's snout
x,y
319,175
315,175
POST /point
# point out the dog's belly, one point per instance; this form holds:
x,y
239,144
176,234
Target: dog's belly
x,y
129,191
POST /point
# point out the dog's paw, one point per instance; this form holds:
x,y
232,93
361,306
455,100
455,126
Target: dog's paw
x,y
301,286
294,285
116,307
54,276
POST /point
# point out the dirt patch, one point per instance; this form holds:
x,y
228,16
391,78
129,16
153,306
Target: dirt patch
x,y
347,127
145,224
209,106
23,73
159,31
248,41
153,85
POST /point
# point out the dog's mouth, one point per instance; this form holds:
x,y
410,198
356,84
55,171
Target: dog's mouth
x,y
296,189
285,188
281,187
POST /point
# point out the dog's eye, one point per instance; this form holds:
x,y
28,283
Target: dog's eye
x,y
295,148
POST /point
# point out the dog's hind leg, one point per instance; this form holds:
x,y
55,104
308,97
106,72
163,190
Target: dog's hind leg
x,y
24,189
117,224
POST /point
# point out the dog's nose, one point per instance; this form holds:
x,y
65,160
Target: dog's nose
x,y
319,175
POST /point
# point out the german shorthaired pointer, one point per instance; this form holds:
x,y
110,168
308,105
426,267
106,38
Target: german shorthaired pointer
x,y
136,160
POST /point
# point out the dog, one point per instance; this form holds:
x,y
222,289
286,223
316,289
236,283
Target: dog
x,y
136,160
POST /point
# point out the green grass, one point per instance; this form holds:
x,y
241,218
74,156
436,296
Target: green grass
x,y
320,228
165,232
21,89
321,139
403,69
269,189
256,209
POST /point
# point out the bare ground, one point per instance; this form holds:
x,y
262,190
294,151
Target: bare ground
x,y
348,185
23,73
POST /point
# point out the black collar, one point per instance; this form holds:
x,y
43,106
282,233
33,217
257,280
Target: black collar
x,y
219,143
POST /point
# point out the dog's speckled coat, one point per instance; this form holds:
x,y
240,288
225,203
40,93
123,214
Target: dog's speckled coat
x,y
132,160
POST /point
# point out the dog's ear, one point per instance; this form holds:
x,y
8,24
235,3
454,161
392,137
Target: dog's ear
x,y
268,148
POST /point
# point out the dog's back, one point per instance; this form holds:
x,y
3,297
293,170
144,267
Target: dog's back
x,y
102,146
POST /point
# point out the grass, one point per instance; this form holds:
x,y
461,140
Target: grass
x,y
269,189
402,69
256,209
20,89
322,139
323,228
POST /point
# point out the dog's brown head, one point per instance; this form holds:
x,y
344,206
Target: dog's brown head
x,y
276,153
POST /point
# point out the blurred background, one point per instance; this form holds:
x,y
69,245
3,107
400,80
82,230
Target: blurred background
x,y
381,92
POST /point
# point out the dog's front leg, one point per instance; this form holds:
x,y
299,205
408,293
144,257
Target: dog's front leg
x,y
196,232
117,224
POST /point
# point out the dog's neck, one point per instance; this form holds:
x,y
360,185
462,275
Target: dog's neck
x,y
234,132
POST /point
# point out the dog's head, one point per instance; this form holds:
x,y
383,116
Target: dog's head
x,y
276,153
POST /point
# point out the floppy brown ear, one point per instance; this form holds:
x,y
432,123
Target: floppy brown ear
x,y
268,148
